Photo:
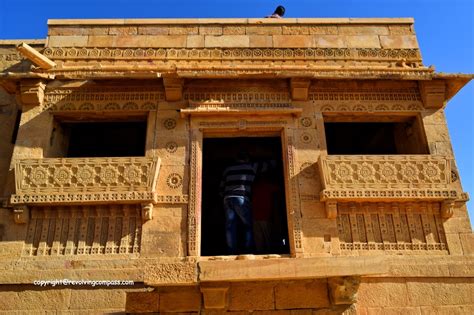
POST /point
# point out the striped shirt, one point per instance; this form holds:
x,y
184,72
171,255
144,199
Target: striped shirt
x,y
237,179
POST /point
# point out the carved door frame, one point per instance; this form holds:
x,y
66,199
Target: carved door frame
x,y
201,127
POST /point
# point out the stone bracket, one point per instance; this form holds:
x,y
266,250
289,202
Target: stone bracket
x,y
173,88
299,89
433,93
32,92
21,214
343,290
147,211
331,209
215,297
447,209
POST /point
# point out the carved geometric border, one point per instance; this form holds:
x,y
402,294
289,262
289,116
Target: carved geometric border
x,y
254,54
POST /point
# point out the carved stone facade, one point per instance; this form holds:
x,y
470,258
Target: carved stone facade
x,y
371,222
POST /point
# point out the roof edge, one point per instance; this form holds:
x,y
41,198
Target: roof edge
x,y
408,20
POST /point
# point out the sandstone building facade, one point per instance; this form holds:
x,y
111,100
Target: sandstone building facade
x,y
113,135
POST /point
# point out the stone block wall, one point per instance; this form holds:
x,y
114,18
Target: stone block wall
x,y
237,33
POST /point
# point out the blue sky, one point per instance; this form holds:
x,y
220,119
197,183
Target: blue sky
x,y
445,30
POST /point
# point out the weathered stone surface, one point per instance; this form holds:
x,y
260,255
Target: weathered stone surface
x,y
297,41
363,41
185,299
171,273
99,299
194,79
399,41
328,41
261,41
311,294
383,292
226,41
252,296
443,291
142,302
67,41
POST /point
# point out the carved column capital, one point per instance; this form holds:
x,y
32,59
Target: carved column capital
x,y
343,290
32,92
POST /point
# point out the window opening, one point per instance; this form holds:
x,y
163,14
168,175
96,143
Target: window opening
x,y
99,139
346,138
267,200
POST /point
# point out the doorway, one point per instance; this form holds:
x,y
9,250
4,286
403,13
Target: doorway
x,y
270,229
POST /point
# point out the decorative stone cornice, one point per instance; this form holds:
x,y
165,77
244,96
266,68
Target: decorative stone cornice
x,y
411,56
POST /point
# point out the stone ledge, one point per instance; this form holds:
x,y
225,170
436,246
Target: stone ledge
x,y
160,271
15,42
232,21
290,268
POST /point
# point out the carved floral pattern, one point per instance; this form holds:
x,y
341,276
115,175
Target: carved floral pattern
x,y
409,172
343,172
132,174
171,147
62,175
39,176
388,172
385,171
85,175
174,180
108,175
106,179
366,172
169,123
234,53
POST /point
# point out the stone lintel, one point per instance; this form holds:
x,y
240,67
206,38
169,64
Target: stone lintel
x,y
286,269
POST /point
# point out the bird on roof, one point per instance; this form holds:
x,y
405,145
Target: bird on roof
x,y
278,14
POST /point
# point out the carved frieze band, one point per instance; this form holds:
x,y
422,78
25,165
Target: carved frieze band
x,y
103,99
64,180
251,54
385,171
238,95
391,226
84,230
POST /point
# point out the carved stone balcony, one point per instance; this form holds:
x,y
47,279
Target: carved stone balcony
x,y
385,178
57,181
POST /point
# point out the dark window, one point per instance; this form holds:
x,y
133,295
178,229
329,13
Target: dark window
x,y
267,200
104,139
375,138
16,127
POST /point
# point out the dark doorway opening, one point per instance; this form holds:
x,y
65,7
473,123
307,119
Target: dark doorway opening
x,y
375,138
103,139
267,200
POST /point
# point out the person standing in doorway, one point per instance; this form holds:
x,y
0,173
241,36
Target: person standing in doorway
x,y
236,190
